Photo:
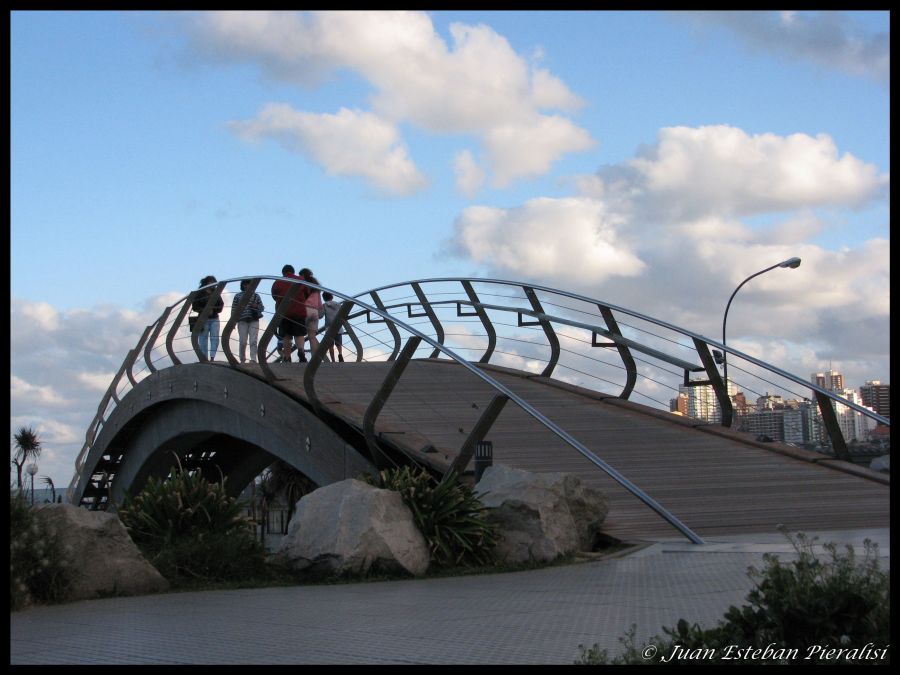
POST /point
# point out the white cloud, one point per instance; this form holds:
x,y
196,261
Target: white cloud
x,y
469,175
723,170
31,394
828,39
477,84
349,143
666,234
61,362
529,149
572,239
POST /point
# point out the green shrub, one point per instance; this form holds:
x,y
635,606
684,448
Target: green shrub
x,y
448,514
212,557
183,504
192,531
38,569
798,610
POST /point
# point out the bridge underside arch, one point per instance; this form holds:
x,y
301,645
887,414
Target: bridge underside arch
x,y
221,421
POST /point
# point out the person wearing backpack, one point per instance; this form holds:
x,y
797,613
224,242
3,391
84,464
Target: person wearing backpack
x,y
248,321
293,323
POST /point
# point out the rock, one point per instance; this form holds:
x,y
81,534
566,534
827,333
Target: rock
x,y
541,515
100,552
882,464
353,527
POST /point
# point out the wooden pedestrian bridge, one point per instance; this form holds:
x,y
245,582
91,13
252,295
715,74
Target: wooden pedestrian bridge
x,y
438,368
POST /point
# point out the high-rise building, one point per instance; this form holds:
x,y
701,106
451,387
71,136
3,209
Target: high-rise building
x,y
877,396
830,379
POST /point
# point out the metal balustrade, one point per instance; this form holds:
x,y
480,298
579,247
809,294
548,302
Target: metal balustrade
x,y
555,335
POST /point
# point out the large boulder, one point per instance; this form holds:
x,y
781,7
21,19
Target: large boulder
x,y
351,527
100,553
541,515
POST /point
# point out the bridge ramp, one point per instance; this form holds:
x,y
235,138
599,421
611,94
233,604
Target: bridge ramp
x,y
716,481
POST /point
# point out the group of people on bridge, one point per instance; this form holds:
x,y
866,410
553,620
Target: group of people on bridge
x,y
299,318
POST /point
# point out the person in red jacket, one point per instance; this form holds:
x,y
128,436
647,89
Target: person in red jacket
x,y
293,322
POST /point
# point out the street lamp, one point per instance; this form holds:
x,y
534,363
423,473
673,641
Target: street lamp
x,y
32,469
793,263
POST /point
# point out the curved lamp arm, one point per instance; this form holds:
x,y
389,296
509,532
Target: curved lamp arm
x,y
792,263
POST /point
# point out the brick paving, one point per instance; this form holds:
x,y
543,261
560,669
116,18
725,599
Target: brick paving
x,y
533,617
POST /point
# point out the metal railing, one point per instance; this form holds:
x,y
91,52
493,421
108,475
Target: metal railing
x,y
652,352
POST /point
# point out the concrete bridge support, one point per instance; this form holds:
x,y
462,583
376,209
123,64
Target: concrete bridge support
x,y
216,418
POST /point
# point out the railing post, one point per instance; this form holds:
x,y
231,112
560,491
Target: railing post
x,y
719,387
625,353
309,373
160,322
176,324
479,431
381,397
133,354
485,321
390,326
548,331
829,419
438,328
355,340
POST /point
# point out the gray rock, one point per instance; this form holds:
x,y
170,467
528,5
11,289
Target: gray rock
x,y
100,553
353,527
541,515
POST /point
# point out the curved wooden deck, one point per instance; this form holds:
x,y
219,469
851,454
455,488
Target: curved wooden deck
x,y
713,480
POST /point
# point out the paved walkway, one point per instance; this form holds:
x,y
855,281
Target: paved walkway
x,y
539,616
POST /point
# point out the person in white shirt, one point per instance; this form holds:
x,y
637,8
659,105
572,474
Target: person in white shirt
x,y
331,309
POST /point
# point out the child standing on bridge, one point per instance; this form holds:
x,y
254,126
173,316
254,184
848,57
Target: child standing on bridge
x,y
331,307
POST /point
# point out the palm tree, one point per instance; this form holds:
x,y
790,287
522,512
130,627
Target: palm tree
x,y
28,449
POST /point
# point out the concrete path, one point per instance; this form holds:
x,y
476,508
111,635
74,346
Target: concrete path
x,y
539,616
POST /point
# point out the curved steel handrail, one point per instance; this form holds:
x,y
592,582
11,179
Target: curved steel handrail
x,y
663,324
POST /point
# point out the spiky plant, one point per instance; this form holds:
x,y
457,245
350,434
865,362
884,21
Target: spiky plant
x,y
448,513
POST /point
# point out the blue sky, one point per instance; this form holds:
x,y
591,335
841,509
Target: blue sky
x,y
649,159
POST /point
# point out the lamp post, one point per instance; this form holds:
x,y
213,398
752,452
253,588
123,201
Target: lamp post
x,y
32,469
792,263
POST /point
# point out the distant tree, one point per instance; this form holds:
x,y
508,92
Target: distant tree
x,y
28,448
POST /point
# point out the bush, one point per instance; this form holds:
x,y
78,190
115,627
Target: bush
x,y
798,610
38,569
184,504
192,531
448,514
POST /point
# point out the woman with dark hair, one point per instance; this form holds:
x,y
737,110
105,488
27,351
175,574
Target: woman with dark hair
x,y
313,309
208,337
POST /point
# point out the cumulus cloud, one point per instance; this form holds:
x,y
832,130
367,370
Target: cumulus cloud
x,y
828,39
470,176
349,143
723,170
61,364
671,233
574,240
475,85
